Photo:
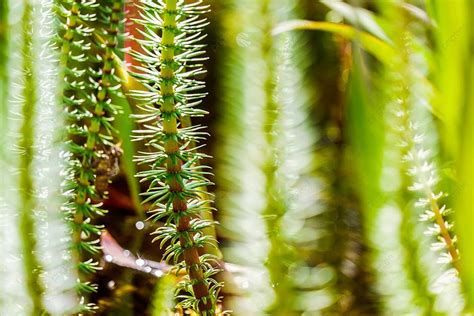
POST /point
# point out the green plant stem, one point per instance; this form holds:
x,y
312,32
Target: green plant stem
x,y
85,114
68,37
173,164
413,265
433,203
400,75
275,204
26,219
105,81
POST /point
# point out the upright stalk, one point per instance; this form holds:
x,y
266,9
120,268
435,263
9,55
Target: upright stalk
x,y
408,126
174,166
176,177
281,253
26,218
88,126
16,283
52,232
241,189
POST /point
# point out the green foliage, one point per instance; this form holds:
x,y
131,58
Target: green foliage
x,y
53,239
3,65
268,198
169,64
89,83
417,272
249,88
32,203
25,145
453,59
125,126
163,296
367,128
372,44
452,54
464,203
344,157
12,275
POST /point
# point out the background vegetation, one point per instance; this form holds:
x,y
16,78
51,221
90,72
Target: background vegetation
x,y
339,133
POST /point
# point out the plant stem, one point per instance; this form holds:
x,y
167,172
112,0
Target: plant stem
x,y
444,232
26,220
173,163
86,112
68,37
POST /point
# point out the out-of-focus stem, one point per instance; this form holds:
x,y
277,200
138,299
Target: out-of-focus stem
x,y
26,219
444,232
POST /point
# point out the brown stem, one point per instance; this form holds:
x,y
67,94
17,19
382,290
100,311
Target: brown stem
x,y
174,164
444,231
